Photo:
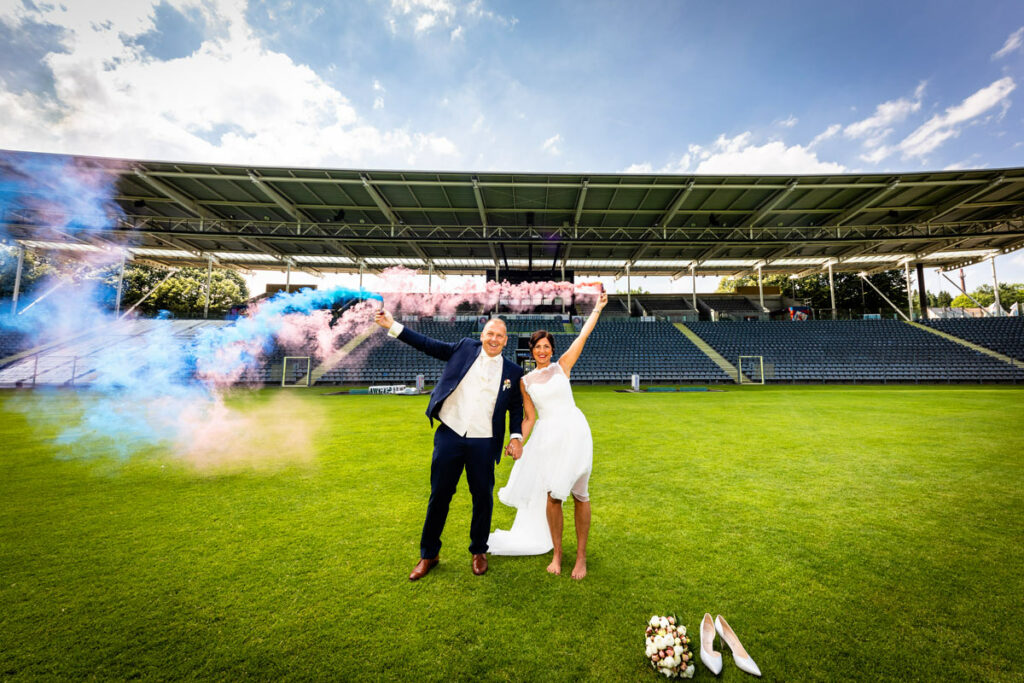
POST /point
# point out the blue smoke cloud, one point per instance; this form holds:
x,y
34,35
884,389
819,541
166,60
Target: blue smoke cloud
x,y
161,389
151,395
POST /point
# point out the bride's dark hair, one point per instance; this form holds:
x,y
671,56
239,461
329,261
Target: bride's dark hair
x,y
541,334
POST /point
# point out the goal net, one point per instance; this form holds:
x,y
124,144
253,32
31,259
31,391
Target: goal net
x,y
296,371
751,370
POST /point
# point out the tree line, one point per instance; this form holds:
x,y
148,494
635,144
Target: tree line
x,y
853,294
182,293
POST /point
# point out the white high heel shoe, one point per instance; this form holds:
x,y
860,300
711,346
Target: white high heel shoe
x,y
712,660
742,659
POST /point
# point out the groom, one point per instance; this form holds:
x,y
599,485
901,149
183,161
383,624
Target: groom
x,y
477,387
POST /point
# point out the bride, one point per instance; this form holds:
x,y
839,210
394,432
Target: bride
x,y
556,461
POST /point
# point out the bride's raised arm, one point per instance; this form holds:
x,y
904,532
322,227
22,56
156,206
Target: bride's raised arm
x,y
572,354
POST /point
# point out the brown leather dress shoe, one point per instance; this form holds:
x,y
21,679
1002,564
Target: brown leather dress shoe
x,y
421,569
479,564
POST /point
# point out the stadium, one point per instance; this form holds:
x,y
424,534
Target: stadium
x,y
482,340
862,490
538,228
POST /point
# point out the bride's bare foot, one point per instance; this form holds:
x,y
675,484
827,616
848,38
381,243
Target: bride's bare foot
x,y
580,570
556,565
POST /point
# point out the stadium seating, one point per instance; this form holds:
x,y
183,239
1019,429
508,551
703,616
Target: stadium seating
x,y
1005,335
552,323
75,362
731,304
384,360
657,351
669,307
852,351
810,351
12,343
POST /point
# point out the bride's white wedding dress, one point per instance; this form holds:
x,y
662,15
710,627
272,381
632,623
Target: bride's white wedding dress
x,y
557,459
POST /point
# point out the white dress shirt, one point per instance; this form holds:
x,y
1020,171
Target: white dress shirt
x,y
468,410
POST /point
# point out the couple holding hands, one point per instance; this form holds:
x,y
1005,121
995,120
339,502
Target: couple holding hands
x,y
478,386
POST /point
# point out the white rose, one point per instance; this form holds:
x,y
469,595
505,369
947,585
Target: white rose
x,y
689,672
664,622
678,649
682,630
679,641
655,621
659,642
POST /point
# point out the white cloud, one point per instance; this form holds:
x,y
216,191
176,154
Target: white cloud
x,y
378,102
551,145
645,167
876,128
377,86
789,122
829,132
1013,42
739,155
425,21
233,100
427,16
942,127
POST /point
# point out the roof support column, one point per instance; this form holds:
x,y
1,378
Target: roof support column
x,y
995,287
629,293
910,290
760,287
430,278
563,280
360,275
693,277
17,278
922,293
832,289
120,286
209,283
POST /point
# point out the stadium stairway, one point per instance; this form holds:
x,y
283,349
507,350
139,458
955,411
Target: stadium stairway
x,y
339,354
971,345
727,367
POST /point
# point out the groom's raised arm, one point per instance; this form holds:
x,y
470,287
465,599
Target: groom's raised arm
x,y
432,347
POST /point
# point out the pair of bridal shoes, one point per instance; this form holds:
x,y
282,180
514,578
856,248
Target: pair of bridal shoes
x,y
712,659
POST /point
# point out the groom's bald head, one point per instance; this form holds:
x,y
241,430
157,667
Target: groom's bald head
x,y
494,336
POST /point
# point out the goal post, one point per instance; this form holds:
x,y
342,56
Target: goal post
x,y
750,370
296,371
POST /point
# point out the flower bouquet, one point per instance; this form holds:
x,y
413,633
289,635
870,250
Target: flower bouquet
x,y
668,647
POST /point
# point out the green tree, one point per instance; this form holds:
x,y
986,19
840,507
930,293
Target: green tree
x,y
851,293
1009,294
33,269
183,293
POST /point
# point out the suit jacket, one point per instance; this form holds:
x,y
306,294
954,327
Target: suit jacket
x,y
459,357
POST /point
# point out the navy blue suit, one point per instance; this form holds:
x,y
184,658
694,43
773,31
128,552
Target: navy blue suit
x,y
453,452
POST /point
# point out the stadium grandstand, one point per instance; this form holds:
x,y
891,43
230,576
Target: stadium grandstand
x,y
541,227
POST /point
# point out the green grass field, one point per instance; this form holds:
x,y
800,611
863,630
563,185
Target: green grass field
x,y
846,533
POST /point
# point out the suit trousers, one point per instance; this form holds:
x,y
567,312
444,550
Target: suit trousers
x,y
452,454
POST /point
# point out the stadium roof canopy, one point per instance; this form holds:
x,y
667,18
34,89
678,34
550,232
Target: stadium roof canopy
x,y
326,220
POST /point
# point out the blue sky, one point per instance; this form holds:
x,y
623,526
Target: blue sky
x,y
677,87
